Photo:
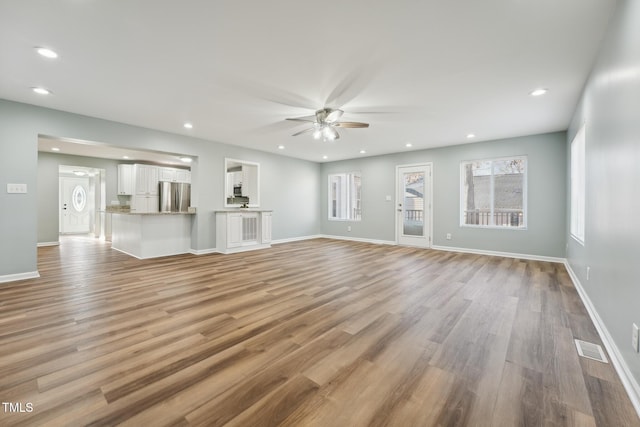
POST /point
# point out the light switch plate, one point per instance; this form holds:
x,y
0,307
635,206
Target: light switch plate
x,y
17,188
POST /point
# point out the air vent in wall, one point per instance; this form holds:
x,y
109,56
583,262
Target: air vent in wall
x,y
591,351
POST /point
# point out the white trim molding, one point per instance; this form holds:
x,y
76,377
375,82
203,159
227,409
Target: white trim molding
x,y
19,276
296,239
43,244
359,239
502,254
204,251
628,380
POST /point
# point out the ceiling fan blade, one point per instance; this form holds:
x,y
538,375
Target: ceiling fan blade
x,y
303,131
352,125
311,119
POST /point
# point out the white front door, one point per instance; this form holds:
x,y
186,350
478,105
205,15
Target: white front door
x,y
413,205
75,212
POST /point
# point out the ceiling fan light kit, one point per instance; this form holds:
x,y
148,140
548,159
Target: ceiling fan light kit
x,y
325,123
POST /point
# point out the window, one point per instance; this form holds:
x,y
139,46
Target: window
x,y
493,193
578,185
345,196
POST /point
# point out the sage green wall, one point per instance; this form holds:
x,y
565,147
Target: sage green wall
x,y
21,124
546,231
610,107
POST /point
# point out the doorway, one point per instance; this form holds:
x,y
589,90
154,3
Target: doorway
x,y
75,206
413,205
81,198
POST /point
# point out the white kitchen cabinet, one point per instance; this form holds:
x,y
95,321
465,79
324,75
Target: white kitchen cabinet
x,y
242,230
174,175
145,204
183,175
167,174
146,180
266,227
125,180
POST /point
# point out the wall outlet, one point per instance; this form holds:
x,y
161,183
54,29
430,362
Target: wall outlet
x,y
448,236
388,198
348,228
635,338
588,272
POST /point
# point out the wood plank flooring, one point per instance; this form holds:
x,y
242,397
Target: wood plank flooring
x,y
312,333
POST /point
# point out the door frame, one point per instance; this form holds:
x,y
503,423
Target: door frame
x,y
429,200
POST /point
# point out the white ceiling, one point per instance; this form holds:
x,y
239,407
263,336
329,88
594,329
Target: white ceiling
x,y
420,71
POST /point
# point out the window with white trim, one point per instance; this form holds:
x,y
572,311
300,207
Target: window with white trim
x,y
493,193
578,183
345,191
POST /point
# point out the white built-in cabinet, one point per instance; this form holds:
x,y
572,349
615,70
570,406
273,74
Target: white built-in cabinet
x,y
146,180
146,198
174,175
141,183
243,230
266,227
125,180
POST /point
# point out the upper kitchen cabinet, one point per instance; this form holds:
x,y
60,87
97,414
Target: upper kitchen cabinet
x,y
125,180
146,179
183,175
174,175
242,183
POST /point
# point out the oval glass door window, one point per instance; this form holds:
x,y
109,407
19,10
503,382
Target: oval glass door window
x,y
79,198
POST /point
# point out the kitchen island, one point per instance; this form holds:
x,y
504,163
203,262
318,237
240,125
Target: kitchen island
x,y
151,235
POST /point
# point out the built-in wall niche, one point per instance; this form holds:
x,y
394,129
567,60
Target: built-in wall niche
x,y
241,183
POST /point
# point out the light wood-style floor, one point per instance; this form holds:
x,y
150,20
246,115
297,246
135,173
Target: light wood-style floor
x,y
313,333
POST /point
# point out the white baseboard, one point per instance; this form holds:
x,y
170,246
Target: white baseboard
x,y
204,251
295,239
628,380
502,254
358,239
42,244
19,276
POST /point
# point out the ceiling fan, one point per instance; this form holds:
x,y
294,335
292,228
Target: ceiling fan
x,y
325,121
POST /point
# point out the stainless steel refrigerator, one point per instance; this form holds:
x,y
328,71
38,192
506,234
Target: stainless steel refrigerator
x,y
174,196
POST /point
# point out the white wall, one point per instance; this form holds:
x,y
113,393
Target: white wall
x,y
610,107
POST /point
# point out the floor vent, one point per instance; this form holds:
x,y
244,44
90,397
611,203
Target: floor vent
x,y
591,351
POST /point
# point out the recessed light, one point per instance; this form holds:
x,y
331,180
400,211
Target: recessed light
x,y
280,147
471,135
325,157
47,53
41,90
408,144
55,149
188,126
125,157
538,92
186,159
363,152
